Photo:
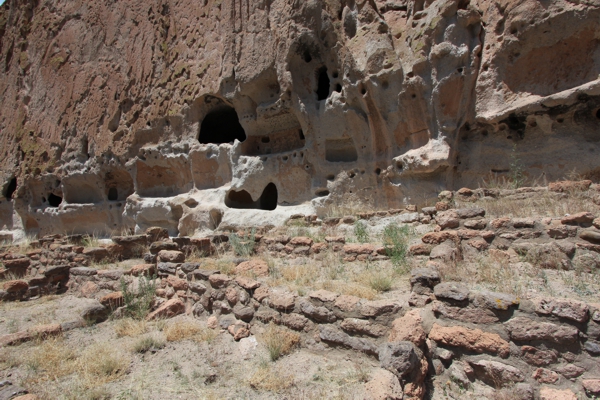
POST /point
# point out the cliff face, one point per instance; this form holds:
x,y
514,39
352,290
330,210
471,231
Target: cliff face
x,y
129,114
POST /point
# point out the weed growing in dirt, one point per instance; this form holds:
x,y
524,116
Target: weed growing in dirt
x,y
130,327
138,302
243,245
516,169
270,378
148,343
380,281
181,330
360,231
395,241
279,341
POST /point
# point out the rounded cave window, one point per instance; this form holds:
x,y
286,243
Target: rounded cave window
x,y
221,125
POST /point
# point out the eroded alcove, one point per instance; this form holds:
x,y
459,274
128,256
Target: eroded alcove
x,y
10,188
242,199
118,185
221,125
54,200
340,150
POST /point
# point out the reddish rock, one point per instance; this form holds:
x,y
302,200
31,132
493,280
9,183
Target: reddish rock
x,y
379,307
143,270
176,283
17,263
359,248
323,295
500,223
253,267
465,192
561,231
15,286
408,328
301,241
294,321
591,386
96,253
112,300
470,339
363,327
442,206
569,186
440,237
156,233
473,315
543,375
582,218
538,357
203,246
262,293
173,256
335,239
447,219
318,248
283,301
564,308
346,303
167,310
247,283
89,289
420,249
219,280
239,330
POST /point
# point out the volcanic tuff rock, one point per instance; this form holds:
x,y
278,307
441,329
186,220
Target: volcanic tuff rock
x,y
174,114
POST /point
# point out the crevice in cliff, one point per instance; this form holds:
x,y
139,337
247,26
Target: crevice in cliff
x,y
10,188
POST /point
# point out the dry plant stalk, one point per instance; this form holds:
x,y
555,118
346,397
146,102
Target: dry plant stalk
x,y
279,341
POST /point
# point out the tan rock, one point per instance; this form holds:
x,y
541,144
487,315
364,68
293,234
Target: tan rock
x,y
283,301
176,283
470,339
247,283
89,289
112,300
253,267
591,386
581,218
543,375
301,241
569,186
173,256
239,330
262,293
440,237
219,280
168,309
556,394
383,386
359,248
346,303
323,295
15,286
143,270
408,328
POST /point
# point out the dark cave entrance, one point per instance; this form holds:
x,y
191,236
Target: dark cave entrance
x,y
243,200
323,84
10,188
113,194
221,126
54,200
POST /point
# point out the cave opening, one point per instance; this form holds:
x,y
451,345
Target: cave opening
x,y
54,200
221,126
113,194
10,188
323,84
598,113
243,199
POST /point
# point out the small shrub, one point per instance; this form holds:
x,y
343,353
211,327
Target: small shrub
x,y
516,169
130,327
395,240
279,341
90,241
272,379
360,231
243,245
101,363
148,343
138,303
181,330
380,282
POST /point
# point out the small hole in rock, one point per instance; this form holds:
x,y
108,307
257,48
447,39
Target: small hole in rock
x,y
113,194
484,132
560,120
513,31
414,96
322,193
285,158
410,75
301,134
352,174
598,113
54,200
460,70
322,84
385,85
338,88
335,75
330,177
307,57
363,91
509,137
265,139
399,165
378,171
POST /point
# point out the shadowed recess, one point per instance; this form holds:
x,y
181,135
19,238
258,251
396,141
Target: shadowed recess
x,y
10,188
242,199
221,126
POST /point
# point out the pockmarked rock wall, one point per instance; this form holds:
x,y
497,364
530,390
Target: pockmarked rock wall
x,y
192,114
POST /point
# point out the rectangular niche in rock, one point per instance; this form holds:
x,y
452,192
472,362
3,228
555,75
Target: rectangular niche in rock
x,y
340,150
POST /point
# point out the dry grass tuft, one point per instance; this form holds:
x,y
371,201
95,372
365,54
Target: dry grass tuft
x,y
226,267
182,330
147,343
101,363
270,378
279,341
130,327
